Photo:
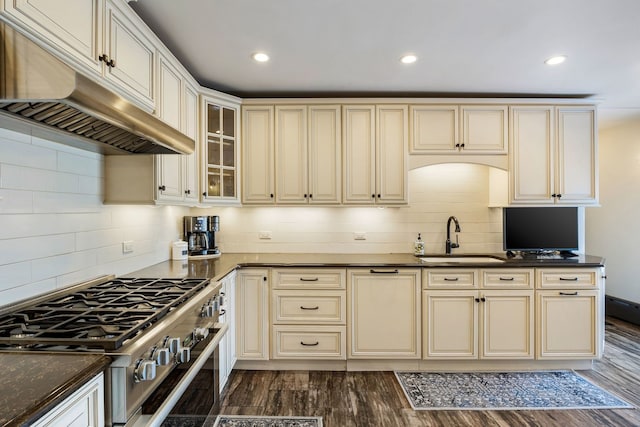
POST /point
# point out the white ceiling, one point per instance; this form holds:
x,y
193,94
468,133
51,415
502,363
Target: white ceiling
x,y
464,47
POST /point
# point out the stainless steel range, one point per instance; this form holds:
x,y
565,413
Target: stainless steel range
x,y
157,331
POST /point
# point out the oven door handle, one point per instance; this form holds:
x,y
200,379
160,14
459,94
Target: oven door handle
x,y
171,400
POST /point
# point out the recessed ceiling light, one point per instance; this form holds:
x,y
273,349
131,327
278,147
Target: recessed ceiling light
x,y
408,59
555,60
260,57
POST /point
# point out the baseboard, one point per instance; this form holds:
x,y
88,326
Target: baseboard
x,y
622,309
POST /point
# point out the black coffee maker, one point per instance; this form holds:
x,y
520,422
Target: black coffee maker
x,y
200,234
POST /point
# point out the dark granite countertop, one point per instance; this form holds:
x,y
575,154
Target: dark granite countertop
x,y
217,268
34,383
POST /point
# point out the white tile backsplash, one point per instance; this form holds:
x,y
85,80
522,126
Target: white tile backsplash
x,y
54,228
436,192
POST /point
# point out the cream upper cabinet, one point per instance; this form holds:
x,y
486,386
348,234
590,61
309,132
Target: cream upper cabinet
x,y
190,127
325,154
447,129
297,147
71,27
252,314
375,163
103,38
128,54
221,153
258,186
291,154
383,308
553,155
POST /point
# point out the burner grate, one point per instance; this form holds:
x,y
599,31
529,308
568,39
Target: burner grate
x,y
101,316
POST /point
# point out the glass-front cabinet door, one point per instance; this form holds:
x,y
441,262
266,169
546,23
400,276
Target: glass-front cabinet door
x,y
221,153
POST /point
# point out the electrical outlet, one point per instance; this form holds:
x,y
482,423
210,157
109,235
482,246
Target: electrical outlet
x,y
127,246
359,235
264,235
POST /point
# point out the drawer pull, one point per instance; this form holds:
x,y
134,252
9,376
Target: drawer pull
x,y
506,279
569,293
303,279
302,307
309,345
383,272
572,279
450,279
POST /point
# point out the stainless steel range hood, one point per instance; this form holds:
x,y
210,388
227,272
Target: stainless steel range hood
x,y
38,87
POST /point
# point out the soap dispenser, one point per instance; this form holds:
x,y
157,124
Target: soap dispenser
x,y
418,246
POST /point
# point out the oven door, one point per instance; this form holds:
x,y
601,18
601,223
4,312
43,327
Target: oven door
x,y
190,393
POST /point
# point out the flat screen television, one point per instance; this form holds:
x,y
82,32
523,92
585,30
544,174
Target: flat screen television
x,y
540,229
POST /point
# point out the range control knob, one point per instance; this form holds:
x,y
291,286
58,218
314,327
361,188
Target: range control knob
x,y
200,333
145,370
162,356
183,355
173,344
210,308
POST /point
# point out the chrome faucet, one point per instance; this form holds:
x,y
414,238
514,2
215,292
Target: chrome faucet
x,y
448,244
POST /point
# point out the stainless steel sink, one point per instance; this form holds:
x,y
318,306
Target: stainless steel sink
x,y
461,259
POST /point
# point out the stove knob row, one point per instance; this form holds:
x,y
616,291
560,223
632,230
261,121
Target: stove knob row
x,y
210,308
145,370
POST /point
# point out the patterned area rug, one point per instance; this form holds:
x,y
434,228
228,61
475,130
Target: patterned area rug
x,y
512,390
259,421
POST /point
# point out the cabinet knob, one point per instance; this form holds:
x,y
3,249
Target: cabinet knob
x,y
204,194
305,196
457,145
103,58
559,196
187,191
477,299
483,299
162,188
111,63
554,195
264,279
373,196
379,197
271,195
311,196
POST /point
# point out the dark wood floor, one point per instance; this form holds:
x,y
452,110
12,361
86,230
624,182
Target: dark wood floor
x,y
374,399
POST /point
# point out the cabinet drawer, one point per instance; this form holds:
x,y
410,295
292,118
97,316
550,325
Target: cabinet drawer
x,y
309,342
304,278
444,278
521,278
569,278
302,307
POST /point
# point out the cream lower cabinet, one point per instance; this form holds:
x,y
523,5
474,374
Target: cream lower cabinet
x,y
252,314
493,324
85,407
570,312
384,313
227,348
478,314
308,314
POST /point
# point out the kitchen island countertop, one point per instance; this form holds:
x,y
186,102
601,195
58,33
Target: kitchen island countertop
x,y
34,383
217,268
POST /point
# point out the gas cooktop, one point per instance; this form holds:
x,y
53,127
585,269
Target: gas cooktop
x,y
101,316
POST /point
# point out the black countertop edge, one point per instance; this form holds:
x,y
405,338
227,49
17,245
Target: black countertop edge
x,y
57,395
218,268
